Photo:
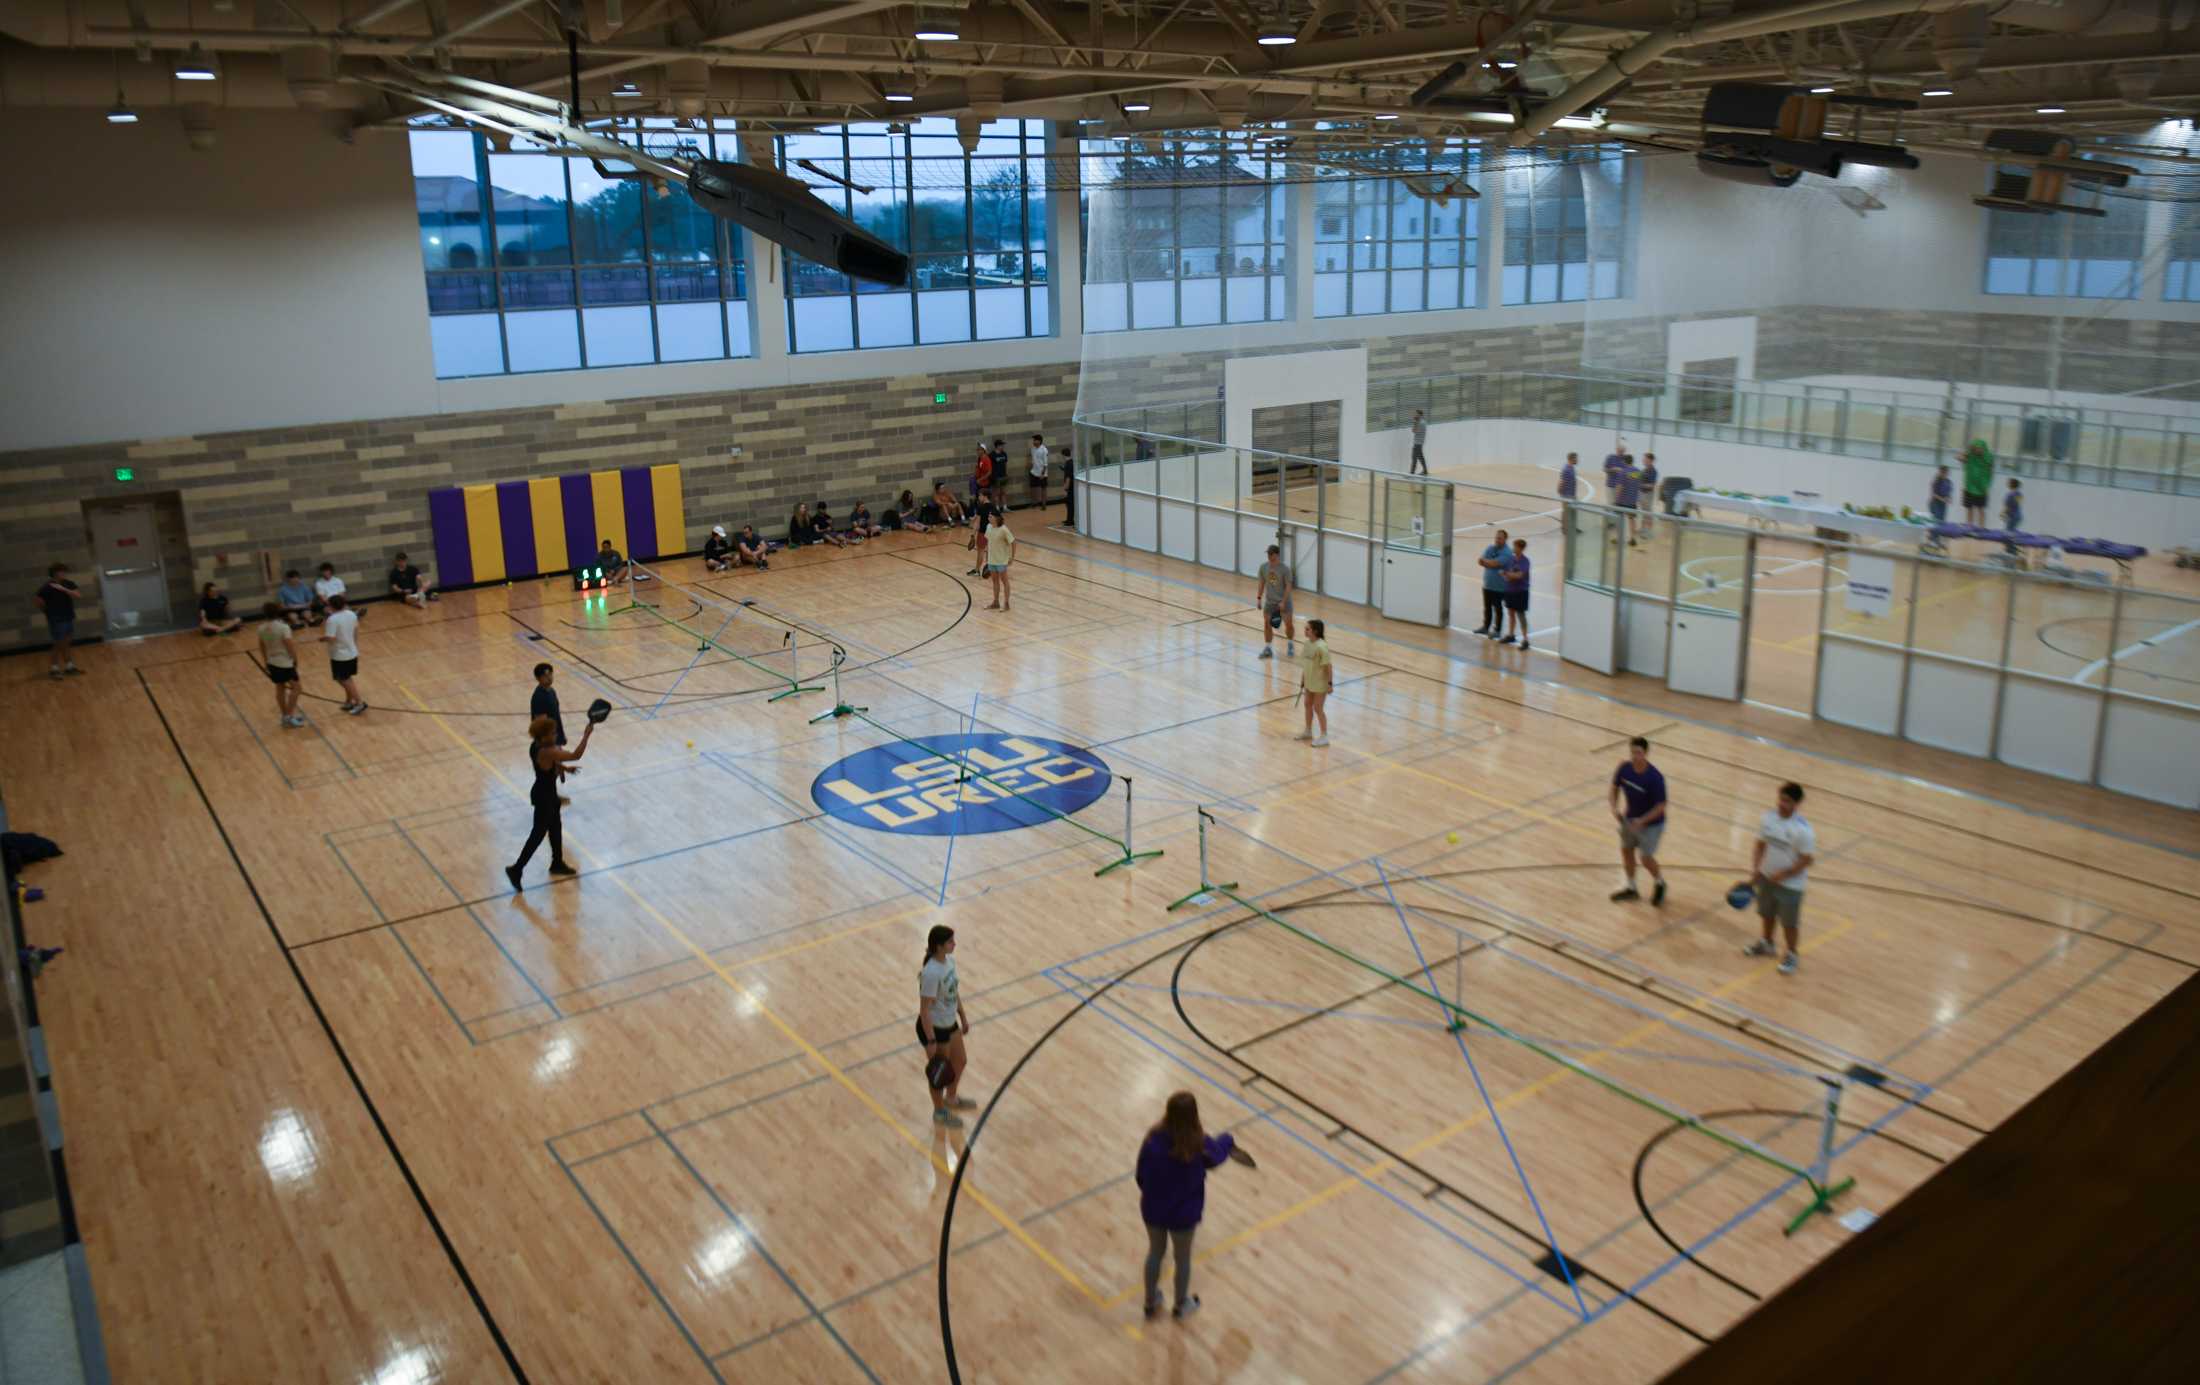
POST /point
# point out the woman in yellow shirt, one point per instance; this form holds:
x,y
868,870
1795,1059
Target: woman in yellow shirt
x,y
1314,682
1000,551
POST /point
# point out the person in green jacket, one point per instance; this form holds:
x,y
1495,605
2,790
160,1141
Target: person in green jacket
x,y
1978,481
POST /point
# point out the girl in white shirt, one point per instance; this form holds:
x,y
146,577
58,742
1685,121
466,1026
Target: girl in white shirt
x,y
941,1022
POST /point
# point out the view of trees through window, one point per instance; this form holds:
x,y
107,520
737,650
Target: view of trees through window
x,y
974,226
1183,233
566,268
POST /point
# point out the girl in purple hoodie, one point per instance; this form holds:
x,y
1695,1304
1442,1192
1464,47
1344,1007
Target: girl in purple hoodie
x,y
1172,1193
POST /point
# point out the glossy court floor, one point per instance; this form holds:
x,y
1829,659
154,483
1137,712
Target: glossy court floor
x,y
341,1106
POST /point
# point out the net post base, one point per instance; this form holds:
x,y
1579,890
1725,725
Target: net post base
x,y
840,709
1821,1200
1202,890
1129,859
790,692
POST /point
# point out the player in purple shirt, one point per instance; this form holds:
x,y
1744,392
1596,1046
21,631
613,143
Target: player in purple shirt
x,y
1628,496
1566,482
1943,491
1641,819
1172,1193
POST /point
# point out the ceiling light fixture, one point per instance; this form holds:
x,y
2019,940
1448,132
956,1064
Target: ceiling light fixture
x,y
899,94
936,29
196,66
1276,36
1386,115
1507,64
1937,91
1135,107
1821,91
121,114
2050,110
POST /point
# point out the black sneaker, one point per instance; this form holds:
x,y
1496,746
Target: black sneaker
x,y
1657,896
511,873
561,868
1507,640
1191,1305
1621,896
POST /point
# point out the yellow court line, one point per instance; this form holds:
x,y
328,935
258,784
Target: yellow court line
x,y
1465,1123
810,1050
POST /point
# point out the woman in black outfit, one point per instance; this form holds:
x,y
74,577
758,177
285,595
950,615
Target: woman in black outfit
x,y
547,757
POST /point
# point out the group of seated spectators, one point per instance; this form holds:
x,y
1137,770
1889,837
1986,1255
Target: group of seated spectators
x,y
303,605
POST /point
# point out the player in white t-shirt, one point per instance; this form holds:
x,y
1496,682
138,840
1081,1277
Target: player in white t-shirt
x,y
328,584
341,633
942,1021
1040,460
1780,867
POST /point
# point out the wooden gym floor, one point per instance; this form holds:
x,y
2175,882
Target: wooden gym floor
x,y
340,1106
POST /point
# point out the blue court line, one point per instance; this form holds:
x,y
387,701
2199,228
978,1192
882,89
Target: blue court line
x,y
708,645
1900,1109
1231,1090
1771,1026
635,1264
962,771
1768,1066
253,731
756,1244
486,931
367,894
1497,947
1550,1237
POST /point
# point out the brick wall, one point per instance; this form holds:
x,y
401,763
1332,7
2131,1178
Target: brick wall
x,y
354,493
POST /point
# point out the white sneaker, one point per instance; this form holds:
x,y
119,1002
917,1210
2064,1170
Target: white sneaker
x,y
1789,963
1759,948
1319,741
1303,736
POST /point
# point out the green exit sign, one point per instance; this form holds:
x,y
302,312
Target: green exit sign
x,y
123,473
939,396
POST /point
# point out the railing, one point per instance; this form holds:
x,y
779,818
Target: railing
x,y
2127,449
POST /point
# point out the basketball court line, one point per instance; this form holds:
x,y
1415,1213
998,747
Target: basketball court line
x,y
2022,1024
848,1084
343,1057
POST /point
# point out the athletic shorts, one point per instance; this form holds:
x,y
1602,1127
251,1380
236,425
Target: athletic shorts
x,y
1276,610
1516,601
1974,499
59,630
943,1032
1779,902
280,676
1642,839
1940,510
340,669
991,568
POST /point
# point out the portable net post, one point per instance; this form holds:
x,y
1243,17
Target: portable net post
x,y
1130,856
840,707
1821,1168
1206,881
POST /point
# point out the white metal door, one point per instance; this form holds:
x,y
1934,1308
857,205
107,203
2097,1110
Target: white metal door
x,y
133,582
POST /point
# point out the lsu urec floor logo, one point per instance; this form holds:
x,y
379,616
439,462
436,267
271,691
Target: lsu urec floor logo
x,y
1008,782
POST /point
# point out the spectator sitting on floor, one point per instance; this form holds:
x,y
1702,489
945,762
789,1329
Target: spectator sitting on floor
x,y
750,548
409,584
717,550
300,606
214,617
906,514
823,525
860,524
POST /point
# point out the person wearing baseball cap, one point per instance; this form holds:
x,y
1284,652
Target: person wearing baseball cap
x,y
717,550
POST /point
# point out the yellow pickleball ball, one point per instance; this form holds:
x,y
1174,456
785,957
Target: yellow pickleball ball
x,y
1452,838
691,745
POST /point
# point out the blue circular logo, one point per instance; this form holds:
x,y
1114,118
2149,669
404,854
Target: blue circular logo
x,y
1007,782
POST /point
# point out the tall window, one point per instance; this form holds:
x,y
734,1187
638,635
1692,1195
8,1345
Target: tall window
x,y
974,226
1398,244
1566,227
1183,234
2181,276
2060,255
564,268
